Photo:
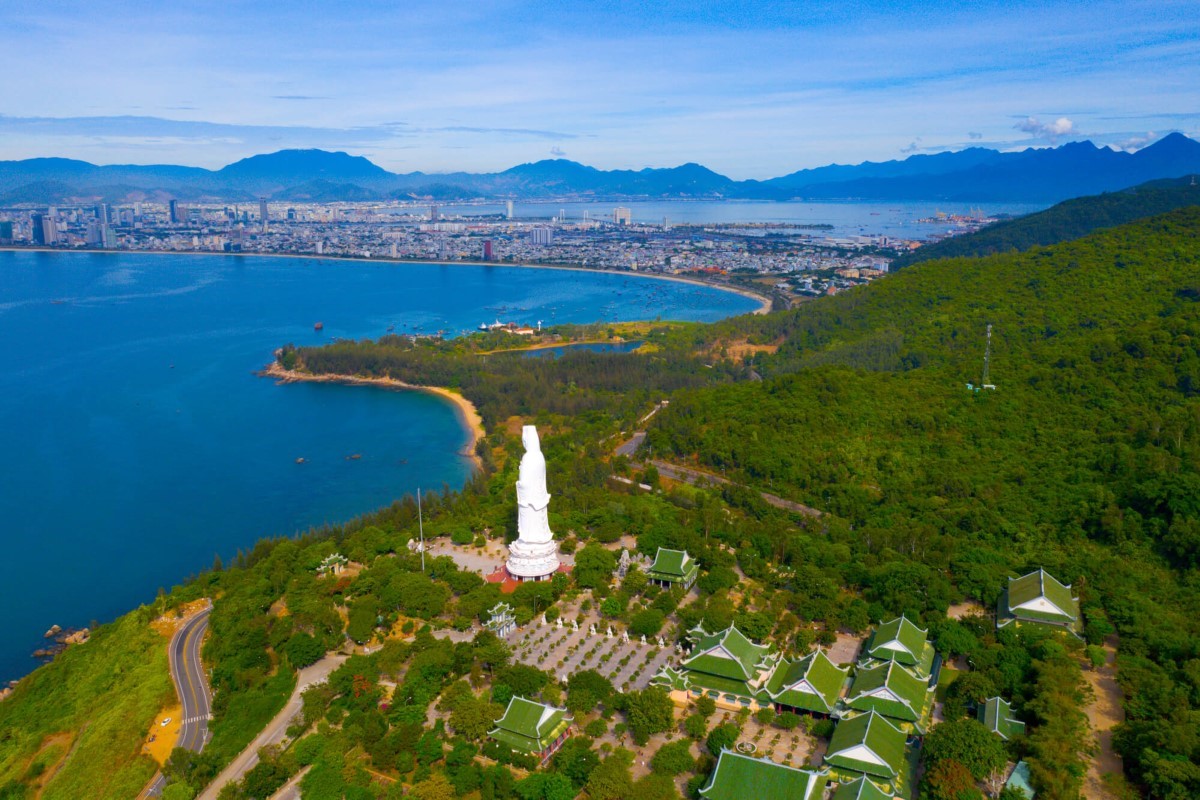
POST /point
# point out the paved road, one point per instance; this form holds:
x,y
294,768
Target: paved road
x,y
276,730
630,447
191,685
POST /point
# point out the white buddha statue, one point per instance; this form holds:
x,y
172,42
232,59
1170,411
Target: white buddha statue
x,y
534,555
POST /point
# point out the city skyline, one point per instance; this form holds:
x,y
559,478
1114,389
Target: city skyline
x,y
751,90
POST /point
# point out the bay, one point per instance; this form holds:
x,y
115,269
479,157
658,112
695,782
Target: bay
x,y
900,220
139,444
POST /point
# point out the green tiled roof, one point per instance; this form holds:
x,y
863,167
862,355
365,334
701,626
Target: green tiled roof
x,y
997,716
861,789
910,692
728,654
672,564
738,776
876,736
824,680
1049,600
530,727
899,639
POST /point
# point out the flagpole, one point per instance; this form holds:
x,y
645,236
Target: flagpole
x,y
421,523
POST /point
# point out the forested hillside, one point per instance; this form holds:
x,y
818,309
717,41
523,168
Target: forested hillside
x,y
1084,459
1068,220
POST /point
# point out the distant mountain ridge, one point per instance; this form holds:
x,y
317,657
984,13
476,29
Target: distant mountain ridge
x,y
974,175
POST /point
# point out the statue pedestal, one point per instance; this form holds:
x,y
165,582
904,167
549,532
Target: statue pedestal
x,y
532,562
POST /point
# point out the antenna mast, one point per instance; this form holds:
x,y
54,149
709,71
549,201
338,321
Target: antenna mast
x,y
987,357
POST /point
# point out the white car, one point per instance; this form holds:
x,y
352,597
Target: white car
x,y
165,722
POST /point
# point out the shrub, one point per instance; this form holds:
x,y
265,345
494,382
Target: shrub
x,y
787,721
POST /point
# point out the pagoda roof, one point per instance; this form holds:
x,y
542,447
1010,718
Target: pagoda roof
x,y
861,789
1040,597
997,716
812,683
676,563
868,744
728,654
899,638
528,726
735,773
891,690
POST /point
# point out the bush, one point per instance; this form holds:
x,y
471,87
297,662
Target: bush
x,y
695,726
303,650
646,623
461,536
722,737
787,721
706,706
596,728
765,716
674,758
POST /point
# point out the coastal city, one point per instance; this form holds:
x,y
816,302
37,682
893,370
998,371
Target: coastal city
x,y
794,260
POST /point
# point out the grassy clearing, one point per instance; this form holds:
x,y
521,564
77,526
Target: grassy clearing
x,y
107,690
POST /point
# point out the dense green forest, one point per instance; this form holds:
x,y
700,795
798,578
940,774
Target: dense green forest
x,y
1068,220
1084,459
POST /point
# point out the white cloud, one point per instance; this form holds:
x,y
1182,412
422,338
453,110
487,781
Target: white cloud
x,y
1048,130
1135,142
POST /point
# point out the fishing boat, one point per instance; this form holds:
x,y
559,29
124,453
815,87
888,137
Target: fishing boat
x,y
320,326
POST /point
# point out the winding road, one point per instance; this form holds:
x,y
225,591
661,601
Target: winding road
x,y
191,684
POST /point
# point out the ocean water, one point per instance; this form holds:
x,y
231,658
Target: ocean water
x,y
139,444
897,219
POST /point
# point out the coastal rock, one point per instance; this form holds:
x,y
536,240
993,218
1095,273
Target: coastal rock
x,y
5,692
55,630
78,637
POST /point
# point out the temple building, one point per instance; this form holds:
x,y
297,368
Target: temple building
x,y
531,728
736,773
534,554
892,690
997,716
861,789
673,568
868,745
726,666
809,685
900,640
1038,598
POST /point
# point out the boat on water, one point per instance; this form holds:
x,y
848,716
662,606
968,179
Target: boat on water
x,y
320,326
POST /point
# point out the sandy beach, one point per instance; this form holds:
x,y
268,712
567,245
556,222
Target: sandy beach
x,y
764,302
465,409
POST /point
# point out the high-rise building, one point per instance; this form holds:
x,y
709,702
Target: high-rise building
x,y
37,230
622,216
175,212
541,236
264,213
6,232
487,250
508,209
433,213
95,237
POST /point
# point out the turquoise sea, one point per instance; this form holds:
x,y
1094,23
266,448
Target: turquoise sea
x,y
139,444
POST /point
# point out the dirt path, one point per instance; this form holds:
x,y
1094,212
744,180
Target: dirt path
x,y
1104,712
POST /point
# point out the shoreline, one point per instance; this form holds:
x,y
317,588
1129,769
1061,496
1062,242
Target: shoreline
x,y
765,303
464,409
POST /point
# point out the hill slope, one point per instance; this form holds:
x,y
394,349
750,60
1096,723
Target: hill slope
x,y
1085,459
1068,220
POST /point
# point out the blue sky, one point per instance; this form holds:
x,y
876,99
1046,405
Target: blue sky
x,y
750,89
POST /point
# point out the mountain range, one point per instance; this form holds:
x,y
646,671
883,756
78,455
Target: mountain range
x,y
973,175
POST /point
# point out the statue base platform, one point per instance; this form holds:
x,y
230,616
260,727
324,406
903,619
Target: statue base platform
x,y
509,582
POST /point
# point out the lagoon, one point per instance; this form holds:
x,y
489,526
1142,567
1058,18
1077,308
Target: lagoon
x,y
139,443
